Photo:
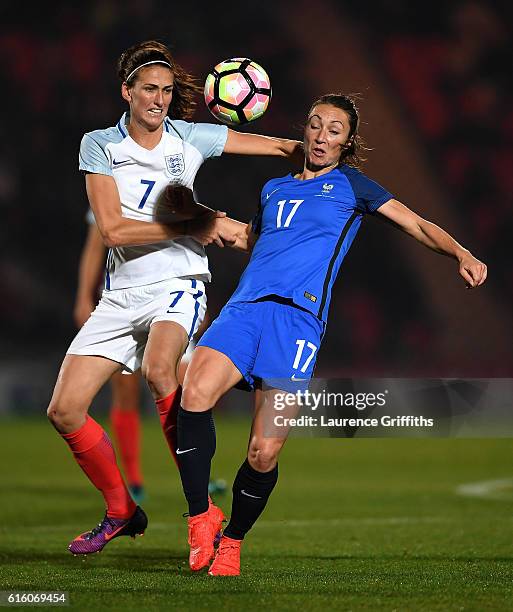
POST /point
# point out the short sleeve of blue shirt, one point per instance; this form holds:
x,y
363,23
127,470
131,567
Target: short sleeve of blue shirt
x,y
256,222
369,195
92,157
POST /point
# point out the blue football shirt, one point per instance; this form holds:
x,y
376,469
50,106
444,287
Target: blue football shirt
x,y
305,229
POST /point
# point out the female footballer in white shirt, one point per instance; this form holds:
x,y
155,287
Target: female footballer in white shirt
x,y
154,296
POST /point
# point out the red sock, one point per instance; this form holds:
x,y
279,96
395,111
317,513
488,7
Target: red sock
x,y
168,411
93,452
126,425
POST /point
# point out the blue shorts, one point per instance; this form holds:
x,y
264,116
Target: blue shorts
x,y
275,342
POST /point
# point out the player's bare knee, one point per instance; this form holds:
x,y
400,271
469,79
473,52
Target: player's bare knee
x,y
197,395
158,375
64,417
263,454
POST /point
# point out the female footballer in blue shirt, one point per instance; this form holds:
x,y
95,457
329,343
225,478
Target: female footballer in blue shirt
x,y
268,334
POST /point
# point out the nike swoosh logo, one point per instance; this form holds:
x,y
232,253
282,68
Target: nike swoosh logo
x,y
268,195
293,377
187,450
109,536
117,163
249,494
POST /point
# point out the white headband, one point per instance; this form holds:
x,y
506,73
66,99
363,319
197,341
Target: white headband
x,y
146,64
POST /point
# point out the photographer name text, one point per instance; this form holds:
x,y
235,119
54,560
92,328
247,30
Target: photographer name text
x,y
384,421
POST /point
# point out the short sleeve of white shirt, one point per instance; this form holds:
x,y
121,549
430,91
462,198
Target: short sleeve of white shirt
x,y
208,138
92,157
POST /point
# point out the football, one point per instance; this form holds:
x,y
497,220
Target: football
x,y
237,91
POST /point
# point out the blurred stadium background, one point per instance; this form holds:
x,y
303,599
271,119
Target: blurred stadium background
x,y
435,82
436,98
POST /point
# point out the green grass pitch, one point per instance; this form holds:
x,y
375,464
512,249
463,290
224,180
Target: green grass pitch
x,y
366,524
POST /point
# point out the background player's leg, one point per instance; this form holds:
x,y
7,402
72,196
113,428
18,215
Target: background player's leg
x,y
126,425
80,378
166,344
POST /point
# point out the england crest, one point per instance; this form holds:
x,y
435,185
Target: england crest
x,y
175,164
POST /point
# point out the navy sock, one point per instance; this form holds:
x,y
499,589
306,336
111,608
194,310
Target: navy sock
x,y
196,445
251,490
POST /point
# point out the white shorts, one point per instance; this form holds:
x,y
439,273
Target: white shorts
x,y
187,356
119,326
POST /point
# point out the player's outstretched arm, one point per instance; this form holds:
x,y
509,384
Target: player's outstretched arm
x,y
91,263
472,270
243,143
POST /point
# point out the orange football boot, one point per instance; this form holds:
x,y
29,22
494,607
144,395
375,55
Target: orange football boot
x,y
204,530
227,560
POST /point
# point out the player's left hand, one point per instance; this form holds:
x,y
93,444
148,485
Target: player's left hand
x,y
472,270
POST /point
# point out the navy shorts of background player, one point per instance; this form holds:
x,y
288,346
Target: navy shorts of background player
x,y
272,326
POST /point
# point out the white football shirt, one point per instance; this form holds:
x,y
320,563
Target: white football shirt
x,y
141,176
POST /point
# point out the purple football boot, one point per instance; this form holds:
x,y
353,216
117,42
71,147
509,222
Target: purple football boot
x,y
110,528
